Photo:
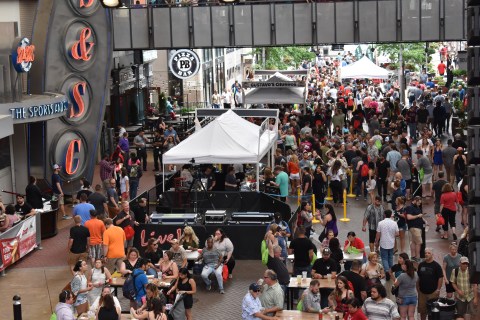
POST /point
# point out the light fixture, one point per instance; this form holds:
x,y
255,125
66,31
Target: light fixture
x,y
228,1
111,3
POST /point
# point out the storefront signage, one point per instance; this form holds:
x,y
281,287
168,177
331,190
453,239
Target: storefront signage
x,y
39,111
71,163
80,45
23,55
277,84
184,63
71,149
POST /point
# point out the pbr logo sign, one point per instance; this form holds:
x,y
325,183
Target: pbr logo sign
x,y
184,63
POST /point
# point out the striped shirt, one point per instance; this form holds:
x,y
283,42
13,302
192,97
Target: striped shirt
x,y
373,215
385,309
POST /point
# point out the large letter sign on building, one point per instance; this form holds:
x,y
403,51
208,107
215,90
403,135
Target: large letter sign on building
x,y
73,57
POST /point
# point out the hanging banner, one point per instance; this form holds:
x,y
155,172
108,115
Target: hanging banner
x,y
276,84
369,53
358,53
17,242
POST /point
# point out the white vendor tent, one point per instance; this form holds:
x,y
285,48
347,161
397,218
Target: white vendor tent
x,y
363,69
228,139
276,95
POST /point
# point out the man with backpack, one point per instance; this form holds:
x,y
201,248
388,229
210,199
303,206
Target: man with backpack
x,y
466,293
134,286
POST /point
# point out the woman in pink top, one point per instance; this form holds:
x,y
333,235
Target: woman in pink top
x,y
448,209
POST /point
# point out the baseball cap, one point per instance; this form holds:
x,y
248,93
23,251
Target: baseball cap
x,y
464,260
254,287
419,152
56,166
405,152
326,251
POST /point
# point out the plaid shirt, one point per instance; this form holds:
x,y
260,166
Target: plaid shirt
x,y
463,283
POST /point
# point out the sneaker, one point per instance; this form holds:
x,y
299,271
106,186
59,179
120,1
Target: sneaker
x,y
222,291
230,276
454,236
356,198
66,217
209,288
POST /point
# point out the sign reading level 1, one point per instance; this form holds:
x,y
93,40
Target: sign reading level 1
x,y
39,111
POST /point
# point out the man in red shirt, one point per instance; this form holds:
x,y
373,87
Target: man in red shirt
x,y
441,68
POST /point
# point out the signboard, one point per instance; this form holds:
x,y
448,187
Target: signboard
x,y
39,111
17,242
184,63
276,84
39,108
462,60
23,55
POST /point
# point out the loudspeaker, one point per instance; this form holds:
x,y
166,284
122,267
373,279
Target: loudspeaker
x,y
474,259
473,66
473,109
474,223
473,25
473,184
473,143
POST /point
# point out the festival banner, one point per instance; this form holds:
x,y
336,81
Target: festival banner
x,y
17,242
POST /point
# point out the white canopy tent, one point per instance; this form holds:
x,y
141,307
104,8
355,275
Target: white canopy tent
x,y
276,95
227,139
364,69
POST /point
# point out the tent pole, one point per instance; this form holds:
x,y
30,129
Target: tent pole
x,y
258,177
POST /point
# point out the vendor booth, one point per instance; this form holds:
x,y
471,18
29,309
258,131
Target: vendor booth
x,y
229,139
363,69
278,89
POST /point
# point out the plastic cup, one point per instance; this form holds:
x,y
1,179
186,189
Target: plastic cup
x,y
329,277
299,279
159,274
114,280
304,275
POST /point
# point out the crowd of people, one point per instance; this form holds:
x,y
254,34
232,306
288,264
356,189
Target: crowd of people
x,y
358,137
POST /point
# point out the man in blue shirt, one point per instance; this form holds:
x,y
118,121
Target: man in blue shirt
x,y
282,182
83,209
141,282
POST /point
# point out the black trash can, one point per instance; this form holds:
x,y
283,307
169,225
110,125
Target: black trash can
x,y
445,306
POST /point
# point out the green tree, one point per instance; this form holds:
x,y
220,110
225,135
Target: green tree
x,y
413,53
281,58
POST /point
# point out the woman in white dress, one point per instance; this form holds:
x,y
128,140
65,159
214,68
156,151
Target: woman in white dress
x,y
98,277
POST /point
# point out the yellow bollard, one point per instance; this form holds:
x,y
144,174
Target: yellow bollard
x,y
329,192
299,197
315,220
351,195
345,219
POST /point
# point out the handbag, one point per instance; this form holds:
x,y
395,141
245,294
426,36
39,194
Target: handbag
x,y
129,232
225,273
440,219
394,290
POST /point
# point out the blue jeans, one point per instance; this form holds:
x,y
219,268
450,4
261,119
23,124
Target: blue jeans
x,y
413,130
133,188
358,187
387,258
207,270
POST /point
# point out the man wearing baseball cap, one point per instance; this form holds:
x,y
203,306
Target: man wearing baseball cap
x,y
251,305
58,191
466,293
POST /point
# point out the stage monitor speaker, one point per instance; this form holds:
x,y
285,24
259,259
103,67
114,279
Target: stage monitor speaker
x,y
473,184
473,110
473,25
474,259
474,223
473,143
473,66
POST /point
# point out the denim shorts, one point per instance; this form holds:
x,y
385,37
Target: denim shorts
x,y
407,301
